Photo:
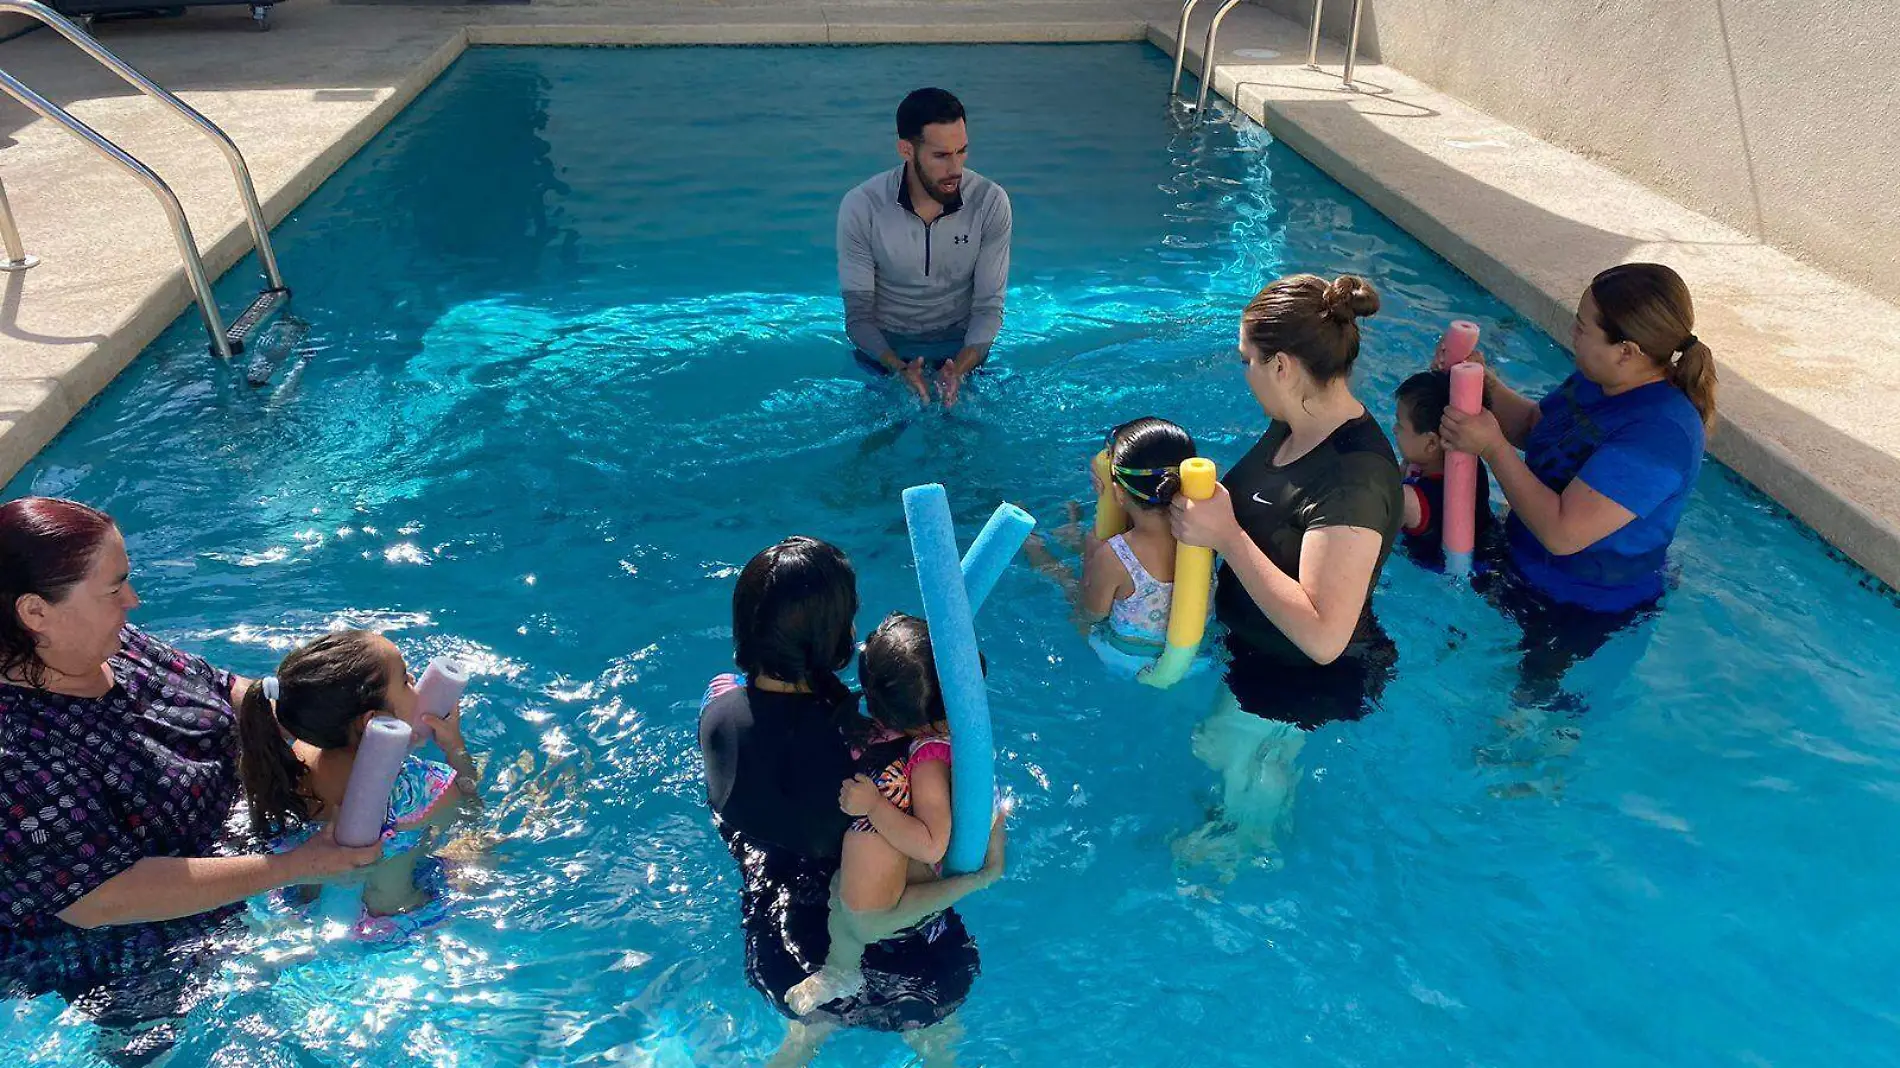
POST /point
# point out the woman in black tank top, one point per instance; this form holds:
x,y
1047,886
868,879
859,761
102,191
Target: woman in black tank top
x,y
1303,524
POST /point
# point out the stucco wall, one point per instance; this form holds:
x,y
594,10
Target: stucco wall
x,y
1778,117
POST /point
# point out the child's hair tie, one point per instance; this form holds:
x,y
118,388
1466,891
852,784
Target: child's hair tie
x,y
269,683
1123,474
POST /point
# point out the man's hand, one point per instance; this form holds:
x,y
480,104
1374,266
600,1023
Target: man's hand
x,y
913,375
949,383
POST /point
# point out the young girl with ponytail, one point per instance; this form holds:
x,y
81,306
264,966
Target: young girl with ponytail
x,y
298,732
1126,591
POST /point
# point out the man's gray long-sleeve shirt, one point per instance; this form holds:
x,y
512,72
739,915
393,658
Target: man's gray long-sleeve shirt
x,y
938,282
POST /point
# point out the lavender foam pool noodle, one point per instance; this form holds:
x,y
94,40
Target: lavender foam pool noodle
x,y
989,556
440,691
359,820
933,544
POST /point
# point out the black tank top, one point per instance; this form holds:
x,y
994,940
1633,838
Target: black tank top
x,y
1349,480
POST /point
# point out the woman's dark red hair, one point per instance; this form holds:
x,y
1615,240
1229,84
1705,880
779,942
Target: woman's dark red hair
x,y
47,546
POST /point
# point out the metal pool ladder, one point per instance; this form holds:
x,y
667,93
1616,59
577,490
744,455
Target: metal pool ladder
x,y
1207,52
225,341
1213,33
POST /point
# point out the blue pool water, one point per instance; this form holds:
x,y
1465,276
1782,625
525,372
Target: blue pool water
x,y
575,355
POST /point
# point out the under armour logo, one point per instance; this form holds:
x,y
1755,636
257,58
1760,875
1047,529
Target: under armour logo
x,y
961,239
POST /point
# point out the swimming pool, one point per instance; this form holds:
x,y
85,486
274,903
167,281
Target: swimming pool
x,y
575,356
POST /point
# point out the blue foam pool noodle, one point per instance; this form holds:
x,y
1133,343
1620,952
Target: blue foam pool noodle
x,y
933,544
989,556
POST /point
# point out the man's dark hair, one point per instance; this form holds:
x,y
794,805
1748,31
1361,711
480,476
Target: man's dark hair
x,y
926,107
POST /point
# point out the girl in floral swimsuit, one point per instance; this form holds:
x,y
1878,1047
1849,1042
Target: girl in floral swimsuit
x,y
321,698
1126,591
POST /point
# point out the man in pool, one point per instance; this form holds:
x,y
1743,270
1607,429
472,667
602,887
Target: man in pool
x,y
923,254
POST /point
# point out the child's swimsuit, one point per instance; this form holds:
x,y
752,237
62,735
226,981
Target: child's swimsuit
x,y
1136,630
1424,543
1141,617
890,759
423,789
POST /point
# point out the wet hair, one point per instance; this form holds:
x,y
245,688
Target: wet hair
x,y
926,107
47,545
899,676
1149,445
1311,320
324,689
1648,303
1424,397
791,616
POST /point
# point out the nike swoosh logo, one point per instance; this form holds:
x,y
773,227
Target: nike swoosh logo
x,y
1261,500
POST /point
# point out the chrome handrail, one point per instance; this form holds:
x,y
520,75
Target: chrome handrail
x,y
17,259
1207,56
1312,44
174,211
1180,48
1352,46
260,232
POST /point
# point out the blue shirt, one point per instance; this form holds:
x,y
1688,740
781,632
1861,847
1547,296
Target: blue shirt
x,y
1641,449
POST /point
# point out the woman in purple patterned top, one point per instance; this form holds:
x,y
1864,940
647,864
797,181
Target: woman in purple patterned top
x,y
118,767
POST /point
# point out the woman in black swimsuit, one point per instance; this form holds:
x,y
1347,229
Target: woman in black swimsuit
x,y
775,759
1303,524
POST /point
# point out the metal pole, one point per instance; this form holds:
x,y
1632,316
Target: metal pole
x,y
174,211
1352,46
1180,47
1312,47
1207,57
17,259
260,233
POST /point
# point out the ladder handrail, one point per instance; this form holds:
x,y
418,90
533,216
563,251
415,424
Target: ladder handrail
x,y
1312,44
1180,47
174,211
1207,57
247,191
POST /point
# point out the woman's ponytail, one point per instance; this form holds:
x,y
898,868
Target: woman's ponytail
x,y
1649,304
270,772
1693,372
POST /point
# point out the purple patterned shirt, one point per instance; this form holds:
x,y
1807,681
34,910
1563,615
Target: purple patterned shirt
x,y
91,785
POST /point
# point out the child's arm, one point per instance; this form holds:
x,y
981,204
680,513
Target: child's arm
x,y
1414,521
923,836
1045,561
920,901
448,735
1104,581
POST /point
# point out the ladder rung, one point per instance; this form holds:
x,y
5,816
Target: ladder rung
x,y
267,301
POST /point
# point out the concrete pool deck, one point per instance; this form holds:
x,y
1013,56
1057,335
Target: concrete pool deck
x,y
1811,406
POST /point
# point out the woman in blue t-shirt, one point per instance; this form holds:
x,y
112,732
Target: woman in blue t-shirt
x,y
1610,457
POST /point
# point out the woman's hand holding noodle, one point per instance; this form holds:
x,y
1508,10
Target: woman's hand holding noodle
x,y
1209,523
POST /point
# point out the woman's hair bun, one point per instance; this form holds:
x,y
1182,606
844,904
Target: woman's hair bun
x,y
1350,297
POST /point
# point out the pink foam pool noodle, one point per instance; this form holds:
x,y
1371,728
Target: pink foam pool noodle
x,y
1460,339
439,692
1461,474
